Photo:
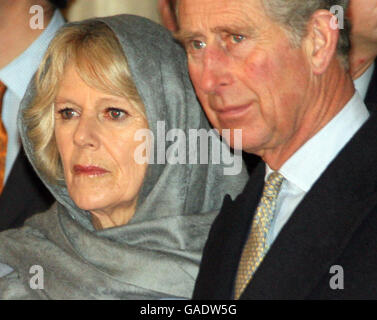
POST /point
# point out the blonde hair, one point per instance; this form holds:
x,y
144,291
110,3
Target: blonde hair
x,y
95,52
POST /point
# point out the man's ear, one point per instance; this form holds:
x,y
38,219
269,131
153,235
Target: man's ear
x,y
321,40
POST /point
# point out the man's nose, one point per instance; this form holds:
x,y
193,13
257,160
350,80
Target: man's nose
x,y
216,72
86,132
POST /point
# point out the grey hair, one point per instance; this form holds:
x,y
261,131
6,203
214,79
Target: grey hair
x,y
294,16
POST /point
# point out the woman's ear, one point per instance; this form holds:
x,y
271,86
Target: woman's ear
x,y
322,40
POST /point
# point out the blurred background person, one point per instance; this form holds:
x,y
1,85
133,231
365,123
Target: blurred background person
x,y
84,9
363,15
22,48
166,10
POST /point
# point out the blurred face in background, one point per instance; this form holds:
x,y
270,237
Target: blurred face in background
x,y
363,15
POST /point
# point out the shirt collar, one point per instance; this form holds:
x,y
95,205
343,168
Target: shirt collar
x,y
17,74
362,83
307,164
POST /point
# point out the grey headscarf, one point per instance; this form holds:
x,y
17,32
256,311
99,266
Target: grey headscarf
x,y
157,254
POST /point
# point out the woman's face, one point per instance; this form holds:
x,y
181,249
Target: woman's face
x,y
95,138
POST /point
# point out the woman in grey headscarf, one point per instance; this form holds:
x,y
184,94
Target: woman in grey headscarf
x,y
121,228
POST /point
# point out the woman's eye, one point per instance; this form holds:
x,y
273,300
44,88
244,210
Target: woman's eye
x,y
67,113
116,114
236,38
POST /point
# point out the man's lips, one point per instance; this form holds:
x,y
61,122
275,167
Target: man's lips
x,y
232,111
89,170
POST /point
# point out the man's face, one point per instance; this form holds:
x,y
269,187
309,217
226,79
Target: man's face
x,y
363,15
245,71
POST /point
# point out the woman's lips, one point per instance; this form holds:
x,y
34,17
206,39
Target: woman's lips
x,y
89,170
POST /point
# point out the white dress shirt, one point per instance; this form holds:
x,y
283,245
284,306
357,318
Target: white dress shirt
x,y
307,164
16,76
362,83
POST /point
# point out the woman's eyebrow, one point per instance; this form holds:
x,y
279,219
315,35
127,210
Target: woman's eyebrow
x,y
60,100
109,100
119,102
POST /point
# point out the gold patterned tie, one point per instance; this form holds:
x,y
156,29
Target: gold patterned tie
x,y
3,139
256,245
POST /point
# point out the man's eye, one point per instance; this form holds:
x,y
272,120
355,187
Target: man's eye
x,y
116,114
67,113
236,38
197,44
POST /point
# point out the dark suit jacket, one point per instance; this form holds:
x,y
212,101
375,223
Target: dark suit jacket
x,y
371,97
24,195
335,224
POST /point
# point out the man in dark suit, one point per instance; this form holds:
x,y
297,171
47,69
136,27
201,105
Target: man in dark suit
x,y
22,47
306,224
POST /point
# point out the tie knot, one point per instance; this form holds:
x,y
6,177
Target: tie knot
x,y
273,184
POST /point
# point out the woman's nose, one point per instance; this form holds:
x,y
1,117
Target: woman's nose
x,y
86,133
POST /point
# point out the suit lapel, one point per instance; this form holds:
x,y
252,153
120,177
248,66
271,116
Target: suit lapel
x,y
323,223
240,215
221,254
